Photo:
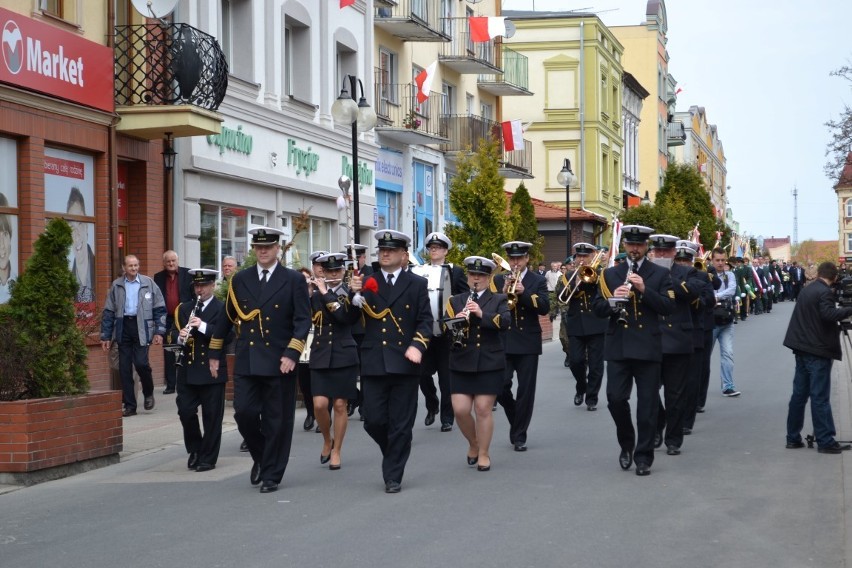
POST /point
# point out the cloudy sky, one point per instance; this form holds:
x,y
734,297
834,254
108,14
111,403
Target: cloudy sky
x,y
761,70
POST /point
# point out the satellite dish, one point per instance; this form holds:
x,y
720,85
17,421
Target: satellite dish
x,y
154,8
510,29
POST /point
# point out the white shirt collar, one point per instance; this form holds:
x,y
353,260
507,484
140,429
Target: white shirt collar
x,y
395,274
270,270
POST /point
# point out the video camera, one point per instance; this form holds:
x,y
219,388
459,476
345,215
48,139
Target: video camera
x,y
843,291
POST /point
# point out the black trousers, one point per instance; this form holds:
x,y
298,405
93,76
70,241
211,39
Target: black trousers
x,y
619,384
389,408
131,354
704,379
359,395
169,367
303,371
673,377
519,409
211,399
264,408
437,359
587,364
693,384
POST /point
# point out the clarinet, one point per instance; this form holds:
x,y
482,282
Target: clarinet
x,y
181,341
622,312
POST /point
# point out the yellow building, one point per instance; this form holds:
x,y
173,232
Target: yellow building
x,y
575,113
703,148
646,57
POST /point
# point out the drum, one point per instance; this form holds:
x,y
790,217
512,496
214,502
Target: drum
x,y
305,357
439,283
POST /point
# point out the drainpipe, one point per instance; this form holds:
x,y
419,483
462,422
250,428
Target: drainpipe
x,y
582,116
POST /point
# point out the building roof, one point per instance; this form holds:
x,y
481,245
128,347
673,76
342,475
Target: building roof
x,y
846,174
550,212
536,15
634,85
773,242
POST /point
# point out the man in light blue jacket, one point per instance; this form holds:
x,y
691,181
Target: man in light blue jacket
x,y
134,316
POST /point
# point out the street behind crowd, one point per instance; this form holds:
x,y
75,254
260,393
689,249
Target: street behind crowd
x,y
735,497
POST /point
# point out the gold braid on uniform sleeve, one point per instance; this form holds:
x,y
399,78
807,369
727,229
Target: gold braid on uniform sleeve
x,y
419,338
241,315
296,344
605,291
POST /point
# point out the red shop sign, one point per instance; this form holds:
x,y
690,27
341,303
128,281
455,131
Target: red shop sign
x,y
46,59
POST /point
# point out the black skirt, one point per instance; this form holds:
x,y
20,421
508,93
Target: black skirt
x,y
335,383
481,382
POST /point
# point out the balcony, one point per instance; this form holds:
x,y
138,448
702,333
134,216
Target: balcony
x,y
513,81
403,120
467,132
411,20
675,134
168,78
465,56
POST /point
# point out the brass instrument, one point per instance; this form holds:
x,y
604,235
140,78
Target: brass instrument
x,y
701,263
179,353
588,273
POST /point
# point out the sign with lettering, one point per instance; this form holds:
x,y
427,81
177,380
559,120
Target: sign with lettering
x,y
305,161
230,139
44,58
365,174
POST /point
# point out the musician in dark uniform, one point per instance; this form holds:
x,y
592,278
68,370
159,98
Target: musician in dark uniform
x,y
195,322
303,372
522,340
437,357
585,332
268,307
359,253
334,354
397,328
677,341
477,360
633,344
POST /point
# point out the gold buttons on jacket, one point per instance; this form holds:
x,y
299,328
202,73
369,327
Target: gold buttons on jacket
x,y
251,343
384,342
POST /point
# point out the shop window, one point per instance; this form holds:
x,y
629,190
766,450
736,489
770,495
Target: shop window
x,y
223,233
316,237
388,204
8,216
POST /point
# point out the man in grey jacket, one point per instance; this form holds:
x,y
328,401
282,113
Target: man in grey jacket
x,y
134,316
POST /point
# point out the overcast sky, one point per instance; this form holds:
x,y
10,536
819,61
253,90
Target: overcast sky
x,y
761,69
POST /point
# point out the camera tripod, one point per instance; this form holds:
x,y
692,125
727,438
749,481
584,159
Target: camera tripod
x,y
844,325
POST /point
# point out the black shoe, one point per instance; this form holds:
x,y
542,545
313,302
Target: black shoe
x,y
204,467
269,487
520,447
672,450
687,431
731,392
255,474
192,462
244,446
834,448
795,445
625,459
350,408
483,467
578,399
700,410
149,402
567,362
658,440
325,459
446,427
169,390
392,487
592,406
472,460
494,407
309,423
430,418
643,469
333,467
361,417
128,412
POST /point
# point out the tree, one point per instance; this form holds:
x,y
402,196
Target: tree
x,y
815,252
478,201
840,144
525,223
42,307
684,193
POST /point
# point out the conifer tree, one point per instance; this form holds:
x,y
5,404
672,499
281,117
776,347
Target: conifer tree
x,y
478,201
525,223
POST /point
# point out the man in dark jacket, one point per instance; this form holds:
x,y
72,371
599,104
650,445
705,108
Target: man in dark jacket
x,y
175,283
814,337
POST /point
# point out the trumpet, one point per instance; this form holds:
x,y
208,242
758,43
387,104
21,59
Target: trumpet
x,y
588,274
701,263
511,296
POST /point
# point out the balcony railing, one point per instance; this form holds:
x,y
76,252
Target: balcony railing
x,y
168,64
403,119
514,80
411,20
676,135
517,164
467,132
464,55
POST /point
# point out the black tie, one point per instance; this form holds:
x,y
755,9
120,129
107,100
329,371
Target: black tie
x,y
264,274
390,279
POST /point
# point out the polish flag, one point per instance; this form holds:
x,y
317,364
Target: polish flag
x,y
485,28
677,92
424,82
513,135
345,3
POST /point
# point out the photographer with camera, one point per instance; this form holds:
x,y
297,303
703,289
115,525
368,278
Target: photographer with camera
x,y
814,337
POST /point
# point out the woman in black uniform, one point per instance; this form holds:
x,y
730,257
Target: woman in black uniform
x,y
334,355
477,359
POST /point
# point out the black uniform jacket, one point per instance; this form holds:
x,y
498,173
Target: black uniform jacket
x,y
483,348
677,327
523,337
196,350
333,318
580,319
640,337
185,290
268,325
395,318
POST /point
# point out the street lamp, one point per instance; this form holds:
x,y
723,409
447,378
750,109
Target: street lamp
x,y
645,200
362,118
168,153
566,177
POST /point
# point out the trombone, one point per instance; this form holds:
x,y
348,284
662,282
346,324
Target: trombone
x,y
588,274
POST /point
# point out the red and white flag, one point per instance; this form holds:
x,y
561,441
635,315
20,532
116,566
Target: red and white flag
x,y
513,135
424,82
345,3
486,28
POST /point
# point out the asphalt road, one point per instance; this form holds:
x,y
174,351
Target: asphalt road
x,y
735,497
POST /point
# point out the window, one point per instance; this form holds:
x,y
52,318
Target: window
x,y
317,237
849,208
605,172
486,111
387,79
8,216
235,25
447,12
297,59
52,7
448,101
468,104
223,233
604,93
346,64
389,205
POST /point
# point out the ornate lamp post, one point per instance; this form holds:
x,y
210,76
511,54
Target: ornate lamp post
x,y
566,177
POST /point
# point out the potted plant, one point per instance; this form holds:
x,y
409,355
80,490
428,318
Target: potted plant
x,y
52,426
411,120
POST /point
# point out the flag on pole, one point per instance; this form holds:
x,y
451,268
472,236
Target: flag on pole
x,y
696,238
345,3
424,82
485,28
513,135
616,241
